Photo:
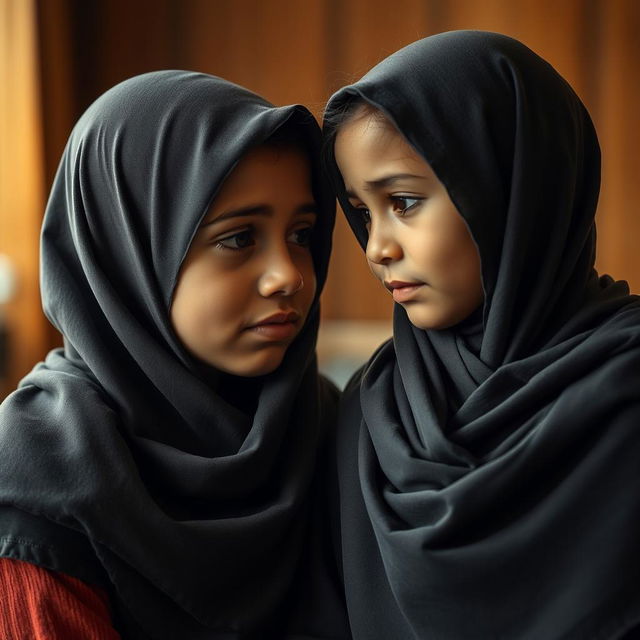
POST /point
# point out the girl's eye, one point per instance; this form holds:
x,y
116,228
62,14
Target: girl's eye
x,y
237,241
302,236
404,204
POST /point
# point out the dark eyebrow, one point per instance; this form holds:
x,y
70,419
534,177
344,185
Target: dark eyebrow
x,y
259,210
386,181
309,207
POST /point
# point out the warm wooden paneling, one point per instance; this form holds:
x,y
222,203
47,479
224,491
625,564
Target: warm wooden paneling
x,y
363,32
57,79
277,49
302,51
21,193
618,74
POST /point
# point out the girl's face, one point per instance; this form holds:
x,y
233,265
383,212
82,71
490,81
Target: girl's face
x,y
419,246
247,282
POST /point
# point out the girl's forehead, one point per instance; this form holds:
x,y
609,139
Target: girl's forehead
x,y
262,178
364,146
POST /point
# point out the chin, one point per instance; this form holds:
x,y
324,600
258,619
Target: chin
x,y
260,365
432,321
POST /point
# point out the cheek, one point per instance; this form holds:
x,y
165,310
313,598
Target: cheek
x,y
468,259
465,279
226,303
204,300
450,250
376,269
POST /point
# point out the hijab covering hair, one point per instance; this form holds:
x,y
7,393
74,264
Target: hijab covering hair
x,y
514,510
121,459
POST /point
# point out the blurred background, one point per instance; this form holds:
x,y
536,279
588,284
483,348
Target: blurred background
x,y
57,56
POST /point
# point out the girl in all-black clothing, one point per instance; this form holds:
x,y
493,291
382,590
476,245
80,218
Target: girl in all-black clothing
x,y
488,453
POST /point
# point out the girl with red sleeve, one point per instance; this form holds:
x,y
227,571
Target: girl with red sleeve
x,y
167,457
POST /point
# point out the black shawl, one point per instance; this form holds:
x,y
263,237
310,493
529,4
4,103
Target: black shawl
x,y
513,513
121,460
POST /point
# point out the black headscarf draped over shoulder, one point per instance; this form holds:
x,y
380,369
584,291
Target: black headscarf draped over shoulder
x,y
489,472
121,459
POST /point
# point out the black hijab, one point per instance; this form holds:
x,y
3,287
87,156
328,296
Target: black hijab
x,y
121,459
514,511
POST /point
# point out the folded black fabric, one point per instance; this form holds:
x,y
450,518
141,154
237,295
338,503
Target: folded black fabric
x,y
514,512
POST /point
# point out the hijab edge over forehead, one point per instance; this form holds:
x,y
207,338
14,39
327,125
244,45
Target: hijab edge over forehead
x,y
359,96
486,112
295,118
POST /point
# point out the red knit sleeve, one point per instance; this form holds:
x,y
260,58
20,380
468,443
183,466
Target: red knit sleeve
x,y
45,605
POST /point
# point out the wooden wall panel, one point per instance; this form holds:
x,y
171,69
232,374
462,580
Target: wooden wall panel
x,y
618,77
302,51
363,32
57,80
114,40
21,193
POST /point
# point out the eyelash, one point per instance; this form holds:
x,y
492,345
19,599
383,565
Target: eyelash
x,y
245,234
403,210
246,240
366,214
307,233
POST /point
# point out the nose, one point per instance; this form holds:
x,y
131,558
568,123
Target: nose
x,y
382,247
281,275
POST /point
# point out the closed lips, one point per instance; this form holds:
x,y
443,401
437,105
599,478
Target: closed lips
x,y
397,284
279,318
